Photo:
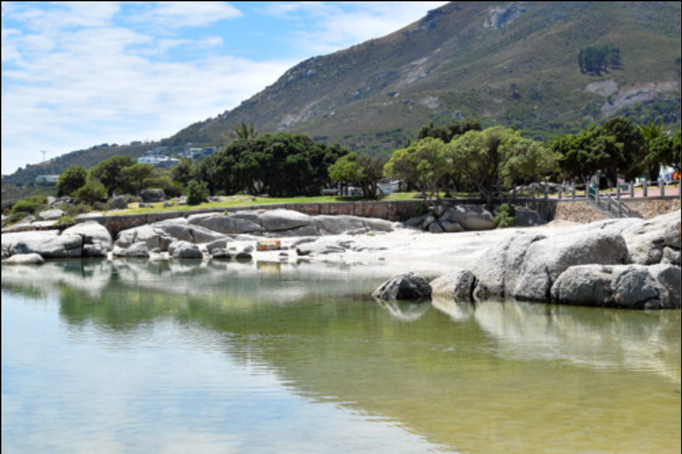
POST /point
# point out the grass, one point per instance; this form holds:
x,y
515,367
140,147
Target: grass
x,y
248,201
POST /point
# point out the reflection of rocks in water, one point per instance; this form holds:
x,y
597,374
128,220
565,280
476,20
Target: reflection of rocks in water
x,y
269,268
456,311
405,311
583,336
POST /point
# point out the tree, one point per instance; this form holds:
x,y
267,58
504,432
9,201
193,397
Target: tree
x,y
91,193
242,131
651,131
182,173
136,178
526,159
422,164
363,171
109,172
449,131
627,160
74,178
585,154
197,193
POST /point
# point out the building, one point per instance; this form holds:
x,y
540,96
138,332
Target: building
x,y
47,179
158,161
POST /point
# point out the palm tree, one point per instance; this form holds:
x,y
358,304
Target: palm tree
x,y
651,131
243,131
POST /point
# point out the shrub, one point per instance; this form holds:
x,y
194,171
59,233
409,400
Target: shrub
x,y
505,216
197,193
31,205
65,221
92,192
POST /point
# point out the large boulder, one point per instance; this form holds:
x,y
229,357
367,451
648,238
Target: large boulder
x,y
25,259
185,250
49,244
647,240
93,234
408,286
153,196
118,203
138,250
181,230
470,217
319,248
337,225
51,215
499,269
547,259
146,234
622,286
226,225
458,286
281,220
525,217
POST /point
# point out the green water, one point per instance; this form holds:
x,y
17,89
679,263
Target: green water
x,y
137,357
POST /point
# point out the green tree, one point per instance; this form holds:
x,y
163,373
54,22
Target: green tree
x,y
628,155
74,178
242,131
197,192
109,172
651,131
423,164
183,172
526,159
136,178
363,171
450,130
92,192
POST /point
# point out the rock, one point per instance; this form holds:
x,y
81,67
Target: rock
x,y
470,217
136,251
269,245
145,233
226,225
435,227
185,250
408,286
25,259
451,227
168,205
671,256
153,196
251,216
379,225
221,254
525,217
458,286
416,222
243,257
5,251
51,215
282,220
337,225
499,268
49,244
587,285
88,216
308,230
622,286
647,239
217,245
92,233
319,248
118,203
547,259
427,222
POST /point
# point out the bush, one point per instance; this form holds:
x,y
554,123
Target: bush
x,y
197,193
16,217
65,221
505,216
31,205
92,192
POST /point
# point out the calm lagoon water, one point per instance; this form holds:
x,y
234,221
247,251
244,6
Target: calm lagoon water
x,y
136,357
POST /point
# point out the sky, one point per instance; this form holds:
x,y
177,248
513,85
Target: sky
x,y
78,74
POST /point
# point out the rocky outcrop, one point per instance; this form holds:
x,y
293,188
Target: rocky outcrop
x,y
153,196
185,250
405,287
458,286
629,263
97,241
49,244
625,286
51,215
138,250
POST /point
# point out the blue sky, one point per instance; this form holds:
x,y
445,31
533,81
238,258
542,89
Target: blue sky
x,y
77,74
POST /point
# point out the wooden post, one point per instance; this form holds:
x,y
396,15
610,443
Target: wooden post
x,y
645,186
632,190
514,194
546,191
661,183
561,192
573,190
618,192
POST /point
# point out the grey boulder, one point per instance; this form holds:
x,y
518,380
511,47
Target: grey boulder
x,y
92,233
470,217
407,287
49,244
458,286
25,259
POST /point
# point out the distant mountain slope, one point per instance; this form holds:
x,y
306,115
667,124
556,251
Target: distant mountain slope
x,y
511,63
503,62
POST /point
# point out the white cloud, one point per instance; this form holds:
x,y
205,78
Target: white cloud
x,y
342,24
187,14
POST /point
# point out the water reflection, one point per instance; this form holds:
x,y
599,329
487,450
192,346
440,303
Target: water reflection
x,y
458,375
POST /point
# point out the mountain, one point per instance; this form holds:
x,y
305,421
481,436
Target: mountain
x,y
502,62
510,63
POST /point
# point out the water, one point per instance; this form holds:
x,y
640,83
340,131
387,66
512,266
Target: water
x,y
141,358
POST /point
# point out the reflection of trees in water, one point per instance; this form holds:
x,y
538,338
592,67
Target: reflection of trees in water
x,y
327,343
